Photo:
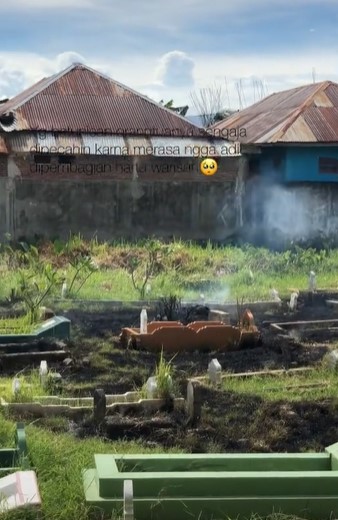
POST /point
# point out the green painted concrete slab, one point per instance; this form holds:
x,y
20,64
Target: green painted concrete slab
x,y
222,462
211,508
57,327
210,486
12,458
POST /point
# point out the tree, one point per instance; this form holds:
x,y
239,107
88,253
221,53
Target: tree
x,y
209,103
179,110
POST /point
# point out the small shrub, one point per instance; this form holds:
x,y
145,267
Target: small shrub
x,y
169,307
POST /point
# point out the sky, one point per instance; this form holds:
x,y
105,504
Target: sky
x,y
241,50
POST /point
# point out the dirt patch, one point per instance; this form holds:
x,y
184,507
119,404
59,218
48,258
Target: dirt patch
x,y
230,422
99,361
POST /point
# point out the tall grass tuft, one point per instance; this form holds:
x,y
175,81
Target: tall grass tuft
x,y
164,377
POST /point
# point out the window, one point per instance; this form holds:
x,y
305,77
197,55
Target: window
x,y
42,158
66,159
327,165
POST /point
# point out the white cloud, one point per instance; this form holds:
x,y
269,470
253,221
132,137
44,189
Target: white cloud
x,y
178,71
175,69
66,59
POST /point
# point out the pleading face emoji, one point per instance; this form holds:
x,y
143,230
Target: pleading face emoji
x,y
208,166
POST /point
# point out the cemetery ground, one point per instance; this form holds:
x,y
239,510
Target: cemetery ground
x,y
290,412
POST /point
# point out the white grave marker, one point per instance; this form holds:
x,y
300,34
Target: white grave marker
x,y
128,497
312,282
215,371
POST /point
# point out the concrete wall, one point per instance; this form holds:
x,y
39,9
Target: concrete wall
x,y
3,195
113,198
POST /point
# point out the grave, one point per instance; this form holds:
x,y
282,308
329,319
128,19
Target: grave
x,y
173,336
57,327
72,407
208,486
11,459
18,349
17,488
311,329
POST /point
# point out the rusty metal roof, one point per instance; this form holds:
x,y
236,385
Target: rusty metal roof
x,y
82,100
110,145
307,114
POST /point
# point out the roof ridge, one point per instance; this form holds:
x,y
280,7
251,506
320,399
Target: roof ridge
x,y
239,113
298,110
49,81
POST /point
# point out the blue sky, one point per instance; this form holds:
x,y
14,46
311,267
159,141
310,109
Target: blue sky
x,y
171,49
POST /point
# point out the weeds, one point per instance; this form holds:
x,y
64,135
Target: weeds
x,y
169,307
34,289
164,377
83,268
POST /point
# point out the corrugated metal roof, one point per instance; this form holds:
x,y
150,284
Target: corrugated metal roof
x,y
3,146
23,141
82,100
303,115
88,144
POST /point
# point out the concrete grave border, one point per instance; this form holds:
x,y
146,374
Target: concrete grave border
x,y
56,327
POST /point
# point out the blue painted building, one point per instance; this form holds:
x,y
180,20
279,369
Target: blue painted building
x,y
290,141
300,163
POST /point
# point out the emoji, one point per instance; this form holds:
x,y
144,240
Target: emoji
x,y
208,166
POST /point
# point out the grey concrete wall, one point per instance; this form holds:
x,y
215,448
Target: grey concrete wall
x,y
180,202
124,209
278,214
3,223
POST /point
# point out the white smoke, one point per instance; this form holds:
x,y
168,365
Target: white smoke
x,y
290,212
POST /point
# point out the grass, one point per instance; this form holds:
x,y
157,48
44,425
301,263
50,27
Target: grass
x,y
164,374
185,269
316,384
20,325
30,386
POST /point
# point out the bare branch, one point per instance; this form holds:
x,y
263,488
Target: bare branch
x,y
208,102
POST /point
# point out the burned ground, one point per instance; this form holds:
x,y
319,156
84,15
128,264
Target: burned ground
x,y
231,422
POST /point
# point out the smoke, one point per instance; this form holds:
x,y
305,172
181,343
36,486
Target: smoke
x,y
205,295
279,214
288,213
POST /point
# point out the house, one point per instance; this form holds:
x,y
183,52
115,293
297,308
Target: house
x,y
290,141
82,153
